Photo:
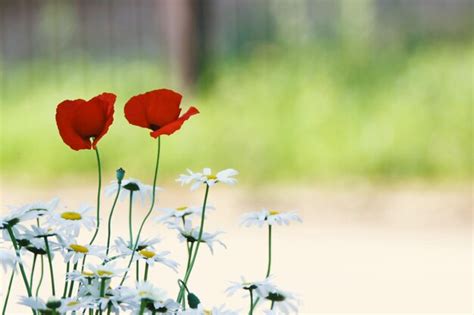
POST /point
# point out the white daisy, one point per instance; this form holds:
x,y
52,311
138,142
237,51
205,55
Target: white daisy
x,y
283,301
73,252
124,299
200,310
206,177
151,257
191,234
12,218
8,259
73,304
261,288
42,208
146,290
35,303
125,248
269,217
131,185
70,222
180,212
107,270
40,305
166,307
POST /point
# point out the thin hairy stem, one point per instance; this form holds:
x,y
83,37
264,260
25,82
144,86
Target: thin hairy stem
x,y
149,211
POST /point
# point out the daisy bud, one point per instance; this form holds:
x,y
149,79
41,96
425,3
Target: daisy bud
x,y
193,301
120,174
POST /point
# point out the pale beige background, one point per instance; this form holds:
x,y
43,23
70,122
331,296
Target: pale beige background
x,y
361,249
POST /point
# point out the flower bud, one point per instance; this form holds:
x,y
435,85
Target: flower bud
x,y
193,301
120,174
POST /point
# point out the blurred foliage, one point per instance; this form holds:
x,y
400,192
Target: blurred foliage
x,y
273,114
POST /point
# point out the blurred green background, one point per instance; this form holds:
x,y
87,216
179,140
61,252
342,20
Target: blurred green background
x,y
288,90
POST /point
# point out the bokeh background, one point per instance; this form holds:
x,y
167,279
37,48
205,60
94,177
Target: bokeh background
x,y
359,113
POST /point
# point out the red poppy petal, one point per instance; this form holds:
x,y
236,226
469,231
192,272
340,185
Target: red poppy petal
x,y
170,128
89,119
162,107
135,111
106,101
65,116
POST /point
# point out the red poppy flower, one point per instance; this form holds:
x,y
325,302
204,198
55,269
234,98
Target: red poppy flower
x,y
157,110
83,123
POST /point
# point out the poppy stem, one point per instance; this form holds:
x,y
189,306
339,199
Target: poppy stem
x,y
157,164
99,187
109,224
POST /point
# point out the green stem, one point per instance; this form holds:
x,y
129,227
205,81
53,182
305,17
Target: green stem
x,y
40,281
33,270
102,291
68,265
149,211
273,304
269,266
269,250
137,276
71,288
130,229
142,308
20,263
8,292
109,224
99,187
251,302
145,277
50,261
193,260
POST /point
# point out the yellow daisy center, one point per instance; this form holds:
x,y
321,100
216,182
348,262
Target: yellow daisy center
x,y
181,208
143,293
70,215
73,303
147,253
211,177
79,248
274,212
207,312
102,273
87,274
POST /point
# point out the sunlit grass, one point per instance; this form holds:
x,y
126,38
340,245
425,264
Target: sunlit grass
x,y
274,115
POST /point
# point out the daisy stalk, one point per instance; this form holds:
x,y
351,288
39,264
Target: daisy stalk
x,y
40,281
193,259
20,263
135,245
7,296
50,261
130,206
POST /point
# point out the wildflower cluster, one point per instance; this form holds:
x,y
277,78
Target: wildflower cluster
x,y
98,278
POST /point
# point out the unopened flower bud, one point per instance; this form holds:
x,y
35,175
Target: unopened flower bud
x,y
120,174
193,301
